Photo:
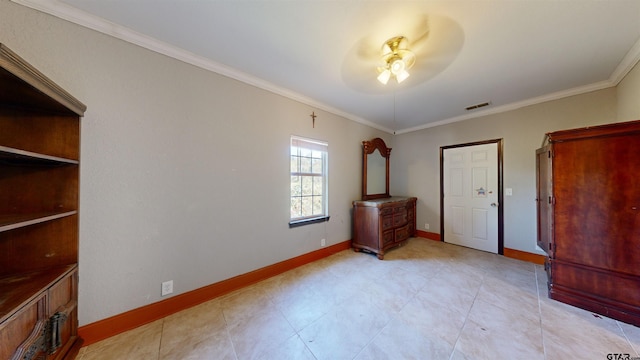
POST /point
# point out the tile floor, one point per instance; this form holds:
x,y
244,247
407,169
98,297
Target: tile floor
x,y
426,300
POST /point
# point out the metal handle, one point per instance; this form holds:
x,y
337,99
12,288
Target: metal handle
x,y
494,204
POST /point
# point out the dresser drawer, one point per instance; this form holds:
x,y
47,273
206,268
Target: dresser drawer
x,y
402,233
399,219
387,222
399,209
387,238
386,211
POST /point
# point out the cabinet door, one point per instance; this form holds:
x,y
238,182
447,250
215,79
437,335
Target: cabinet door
x,y
24,332
544,198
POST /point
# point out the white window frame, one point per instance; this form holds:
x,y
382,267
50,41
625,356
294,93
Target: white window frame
x,y
300,150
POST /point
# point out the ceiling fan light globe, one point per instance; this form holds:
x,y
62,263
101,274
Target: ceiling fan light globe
x,y
402,76
397,67
384,76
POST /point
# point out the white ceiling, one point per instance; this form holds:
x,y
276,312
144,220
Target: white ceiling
x,y
325,53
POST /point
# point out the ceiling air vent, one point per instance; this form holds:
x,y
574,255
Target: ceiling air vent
x,y
477,106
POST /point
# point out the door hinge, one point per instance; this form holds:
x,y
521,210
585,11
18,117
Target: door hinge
x,y
552,247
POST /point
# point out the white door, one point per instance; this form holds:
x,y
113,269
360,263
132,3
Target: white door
x,y
470,186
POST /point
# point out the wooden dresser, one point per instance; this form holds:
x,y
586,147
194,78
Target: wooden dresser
x,y
39,176
588,203
381,224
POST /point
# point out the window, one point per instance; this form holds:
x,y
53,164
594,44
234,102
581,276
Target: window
x,y
308,181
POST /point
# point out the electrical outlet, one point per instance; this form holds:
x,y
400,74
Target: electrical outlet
x,y
323,242
167,287
426,226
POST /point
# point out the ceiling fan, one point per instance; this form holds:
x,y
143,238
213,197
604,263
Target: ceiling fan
x,y
397,58
426,44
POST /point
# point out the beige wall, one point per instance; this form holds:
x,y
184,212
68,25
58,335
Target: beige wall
x,y
416,163
629,96
184,173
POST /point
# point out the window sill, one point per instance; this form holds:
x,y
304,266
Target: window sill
x,y
315,220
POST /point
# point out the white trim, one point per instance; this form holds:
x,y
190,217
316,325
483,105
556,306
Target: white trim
x,y
628,62
82,18
515,105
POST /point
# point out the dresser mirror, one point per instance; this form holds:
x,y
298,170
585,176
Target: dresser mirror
x,y
375,169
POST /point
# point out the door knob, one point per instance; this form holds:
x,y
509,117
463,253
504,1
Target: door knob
x,y
494,204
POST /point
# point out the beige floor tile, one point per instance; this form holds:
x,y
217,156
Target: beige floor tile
x,y
345,331
400,340
260,333
304,308
491,333
462,277
480,343
196,333
513,298
292,349
338,290
440,291
390,296
432,320
240,305
633,335
140,343
572,332
412,281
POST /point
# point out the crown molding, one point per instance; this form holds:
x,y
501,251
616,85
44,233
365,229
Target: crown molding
x,y
624,67
515,105
628,62
82,18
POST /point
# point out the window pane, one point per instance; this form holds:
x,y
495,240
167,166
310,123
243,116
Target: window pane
x,y
317,185
307,185
305,165
296,207
318,209
316,154
316,166
295,164
305,152
296,186
307,207
295,150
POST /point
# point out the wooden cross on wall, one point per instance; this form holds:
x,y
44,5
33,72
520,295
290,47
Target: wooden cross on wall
x,y
313,119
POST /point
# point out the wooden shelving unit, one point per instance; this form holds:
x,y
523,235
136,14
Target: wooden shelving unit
x,y
39,177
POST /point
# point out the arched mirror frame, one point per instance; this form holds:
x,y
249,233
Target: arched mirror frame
x,y
368,148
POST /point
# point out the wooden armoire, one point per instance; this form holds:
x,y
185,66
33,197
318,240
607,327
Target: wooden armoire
x,y
39,176
588,204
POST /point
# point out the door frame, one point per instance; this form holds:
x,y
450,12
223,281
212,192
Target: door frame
x,y
500,194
